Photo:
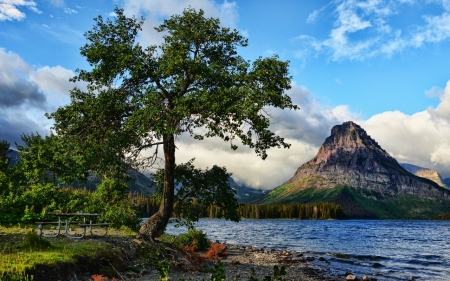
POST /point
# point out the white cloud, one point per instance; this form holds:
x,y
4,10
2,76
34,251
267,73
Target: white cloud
x,y
70,11
420,139
28,93
313,16
362,29
9,9
54,81
434,92
442,111
156,11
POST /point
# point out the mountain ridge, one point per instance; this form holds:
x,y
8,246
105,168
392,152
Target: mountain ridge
x,y
350,160
425,173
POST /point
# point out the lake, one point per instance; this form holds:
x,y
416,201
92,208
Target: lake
x,y
385,249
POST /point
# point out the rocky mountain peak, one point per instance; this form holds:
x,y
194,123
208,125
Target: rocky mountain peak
x,y
349,156
349,136
344,140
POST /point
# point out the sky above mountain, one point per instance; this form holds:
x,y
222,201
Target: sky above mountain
x,y
382,64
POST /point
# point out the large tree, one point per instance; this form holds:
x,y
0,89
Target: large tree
x,y
144,98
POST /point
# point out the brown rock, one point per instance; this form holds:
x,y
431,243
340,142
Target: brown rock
x,y
351,277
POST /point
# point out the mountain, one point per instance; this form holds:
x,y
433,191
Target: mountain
x,y
13,155
244,193
353,170
139,183
424,173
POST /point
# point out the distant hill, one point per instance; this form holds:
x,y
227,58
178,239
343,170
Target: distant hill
x,y
139,183
14,155
245,194
352,169
425,173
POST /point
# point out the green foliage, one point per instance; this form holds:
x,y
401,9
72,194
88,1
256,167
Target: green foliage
x,y
34,241
30,215
46,160
218,272
442,217
161,265
193,236
31,203
111,200
4,159
319,210
278,273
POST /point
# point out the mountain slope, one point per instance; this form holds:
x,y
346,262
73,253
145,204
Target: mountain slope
x,y
424,173
351,167
244,193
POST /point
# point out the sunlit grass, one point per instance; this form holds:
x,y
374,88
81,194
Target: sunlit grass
x,y
17,258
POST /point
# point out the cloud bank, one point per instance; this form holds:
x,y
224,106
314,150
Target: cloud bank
x,y
26,94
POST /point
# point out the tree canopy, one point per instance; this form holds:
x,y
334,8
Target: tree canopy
x,y
193,83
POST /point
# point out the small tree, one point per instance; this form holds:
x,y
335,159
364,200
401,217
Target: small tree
x,y
44,159
140,98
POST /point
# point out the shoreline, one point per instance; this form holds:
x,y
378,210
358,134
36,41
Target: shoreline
x,y
240,261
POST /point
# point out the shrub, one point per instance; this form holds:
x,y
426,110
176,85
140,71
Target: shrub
x,y
34,241
216,250
192,237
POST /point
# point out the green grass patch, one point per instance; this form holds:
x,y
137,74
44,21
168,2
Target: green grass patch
x,y
22,252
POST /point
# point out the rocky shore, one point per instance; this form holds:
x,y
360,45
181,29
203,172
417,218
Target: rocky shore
x,y
241,261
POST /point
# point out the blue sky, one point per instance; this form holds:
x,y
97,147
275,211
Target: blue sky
x,y
383,64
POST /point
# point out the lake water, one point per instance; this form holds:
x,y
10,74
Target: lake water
x,y
385,249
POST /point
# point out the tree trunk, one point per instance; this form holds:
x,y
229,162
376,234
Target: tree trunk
x,y
155,225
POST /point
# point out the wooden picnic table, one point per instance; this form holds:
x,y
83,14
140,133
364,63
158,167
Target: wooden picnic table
x,y
68,222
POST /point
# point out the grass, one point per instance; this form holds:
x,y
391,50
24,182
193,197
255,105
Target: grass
x,y
22,252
